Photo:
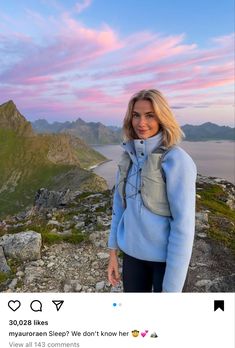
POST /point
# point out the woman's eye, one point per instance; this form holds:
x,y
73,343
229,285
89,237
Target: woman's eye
x,y
148,116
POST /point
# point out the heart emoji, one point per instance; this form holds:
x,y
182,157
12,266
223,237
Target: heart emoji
x,y
143,334
146,331
14,305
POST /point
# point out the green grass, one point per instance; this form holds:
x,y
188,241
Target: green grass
x,y
49,237
223,236
89,157
76,237
24,168
84,195
212,199
24,162
99,227
4,277
53,238
13,264
63,217
221,217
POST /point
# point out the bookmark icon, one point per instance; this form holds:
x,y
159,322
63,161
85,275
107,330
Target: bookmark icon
x,y
218,304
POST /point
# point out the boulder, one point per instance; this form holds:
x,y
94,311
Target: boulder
x,y
45,198
3,263
25,246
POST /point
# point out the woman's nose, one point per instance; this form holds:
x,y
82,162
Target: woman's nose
x,y
142,121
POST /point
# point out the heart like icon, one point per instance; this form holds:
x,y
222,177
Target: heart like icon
x,y
14,305
143,334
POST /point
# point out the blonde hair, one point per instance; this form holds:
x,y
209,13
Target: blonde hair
x,y
171,131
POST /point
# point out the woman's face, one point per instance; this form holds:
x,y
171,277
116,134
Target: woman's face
x,y
144,120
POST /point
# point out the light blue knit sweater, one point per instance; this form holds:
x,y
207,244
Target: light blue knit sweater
x,y
147,236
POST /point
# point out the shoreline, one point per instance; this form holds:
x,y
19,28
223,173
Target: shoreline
x,y
203,153
99,164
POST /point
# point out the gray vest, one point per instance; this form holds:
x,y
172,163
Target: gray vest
x,y
153,185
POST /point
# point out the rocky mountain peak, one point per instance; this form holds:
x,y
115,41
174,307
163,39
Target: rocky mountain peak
x,y
79,121
11,118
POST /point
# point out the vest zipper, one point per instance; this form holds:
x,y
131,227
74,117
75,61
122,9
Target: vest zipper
x,y
139,190
124,185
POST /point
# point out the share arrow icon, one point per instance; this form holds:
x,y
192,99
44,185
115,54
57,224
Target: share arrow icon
x,y
58,304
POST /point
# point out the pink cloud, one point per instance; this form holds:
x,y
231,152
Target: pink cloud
x,y
226,40
91,95
183,58
74,47
34,80
72,68
21,93
162,48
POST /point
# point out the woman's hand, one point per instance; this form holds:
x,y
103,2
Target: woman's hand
x,y
113,273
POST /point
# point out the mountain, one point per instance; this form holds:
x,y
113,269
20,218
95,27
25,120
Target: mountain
x,y
91,132
97,133
29,162
11,119
42,126
208,131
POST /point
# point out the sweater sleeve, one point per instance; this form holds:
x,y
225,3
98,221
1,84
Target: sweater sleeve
x,y
180,172
118,210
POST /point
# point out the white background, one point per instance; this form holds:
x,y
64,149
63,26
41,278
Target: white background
x,y
180,320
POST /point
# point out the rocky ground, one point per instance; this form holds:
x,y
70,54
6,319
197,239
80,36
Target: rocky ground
x,y
69,250
68,267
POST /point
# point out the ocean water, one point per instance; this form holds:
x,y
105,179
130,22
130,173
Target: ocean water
x,y
213,158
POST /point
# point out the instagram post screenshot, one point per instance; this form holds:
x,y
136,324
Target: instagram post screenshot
x,y
117,174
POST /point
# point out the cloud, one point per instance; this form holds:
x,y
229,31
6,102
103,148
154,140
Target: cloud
x,y
69,65
80,6
74,47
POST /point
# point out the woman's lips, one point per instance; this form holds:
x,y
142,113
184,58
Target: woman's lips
x,y
142,131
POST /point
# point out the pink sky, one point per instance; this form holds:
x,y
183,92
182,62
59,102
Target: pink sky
x,y
71,71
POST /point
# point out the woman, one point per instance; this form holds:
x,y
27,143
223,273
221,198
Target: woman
x,y
153,218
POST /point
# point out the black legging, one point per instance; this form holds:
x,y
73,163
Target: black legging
x,y
142,276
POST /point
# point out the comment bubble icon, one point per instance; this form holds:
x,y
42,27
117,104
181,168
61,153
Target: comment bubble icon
x,y
36,306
